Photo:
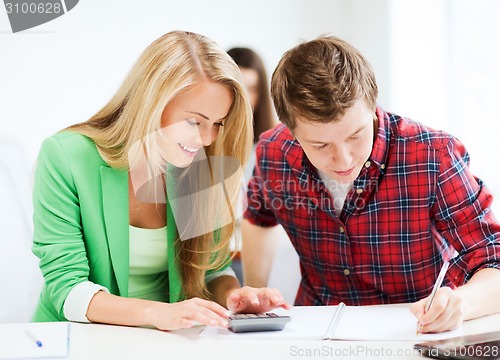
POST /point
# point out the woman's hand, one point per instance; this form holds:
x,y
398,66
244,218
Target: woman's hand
x,y
446,312
255,300
186,314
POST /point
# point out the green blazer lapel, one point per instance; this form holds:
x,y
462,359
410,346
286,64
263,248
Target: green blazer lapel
x,y
174,277
116,218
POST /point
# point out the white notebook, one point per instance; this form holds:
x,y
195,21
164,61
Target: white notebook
x,y
34,340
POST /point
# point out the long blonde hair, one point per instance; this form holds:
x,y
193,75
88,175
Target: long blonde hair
x,y
166,68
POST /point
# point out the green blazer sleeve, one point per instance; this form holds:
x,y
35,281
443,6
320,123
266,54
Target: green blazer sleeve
x,y
57,238
80,221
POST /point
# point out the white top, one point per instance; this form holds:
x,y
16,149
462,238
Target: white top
x,y
148,264
338,191
148,277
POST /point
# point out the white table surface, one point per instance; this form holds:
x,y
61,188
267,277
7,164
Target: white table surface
x,y
95,341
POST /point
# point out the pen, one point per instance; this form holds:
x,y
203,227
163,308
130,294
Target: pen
x,y
335,321
34,338
437,285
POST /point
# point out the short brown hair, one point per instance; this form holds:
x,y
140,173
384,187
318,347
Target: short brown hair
x,y
319,80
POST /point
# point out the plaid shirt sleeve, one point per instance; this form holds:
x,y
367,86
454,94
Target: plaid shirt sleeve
x,y
463,216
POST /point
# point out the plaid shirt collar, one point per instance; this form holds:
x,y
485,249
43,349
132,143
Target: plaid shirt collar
x,y
382,142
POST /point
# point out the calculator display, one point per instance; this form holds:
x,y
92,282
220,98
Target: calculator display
x,y
257,322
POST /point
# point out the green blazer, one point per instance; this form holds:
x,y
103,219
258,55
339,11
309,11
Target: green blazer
x,y
81,224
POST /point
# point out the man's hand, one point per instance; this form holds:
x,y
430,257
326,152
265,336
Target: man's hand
x,y
446,312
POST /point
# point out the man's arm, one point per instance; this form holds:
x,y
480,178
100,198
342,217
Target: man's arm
x,y
258,249
478,293
222,287
462,216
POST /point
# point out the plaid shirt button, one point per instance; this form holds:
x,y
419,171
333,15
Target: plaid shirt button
x,y
347,272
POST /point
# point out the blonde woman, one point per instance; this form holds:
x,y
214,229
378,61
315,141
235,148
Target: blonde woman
x,y
117,240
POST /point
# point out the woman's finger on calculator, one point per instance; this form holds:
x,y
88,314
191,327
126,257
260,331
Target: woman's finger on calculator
x,y
256,300
243,299
272,298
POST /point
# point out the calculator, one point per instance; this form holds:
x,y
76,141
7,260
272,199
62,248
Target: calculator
x,y
257,322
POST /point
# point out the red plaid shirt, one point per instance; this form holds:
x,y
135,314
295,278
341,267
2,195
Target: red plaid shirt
x,y
414,203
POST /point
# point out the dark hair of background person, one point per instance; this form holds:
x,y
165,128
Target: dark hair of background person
x,y
263,117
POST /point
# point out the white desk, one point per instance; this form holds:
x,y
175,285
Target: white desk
x,y
93,341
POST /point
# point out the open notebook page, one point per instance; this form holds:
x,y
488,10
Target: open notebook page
x,y
383,322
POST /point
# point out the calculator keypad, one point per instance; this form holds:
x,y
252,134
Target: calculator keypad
x,y
257,322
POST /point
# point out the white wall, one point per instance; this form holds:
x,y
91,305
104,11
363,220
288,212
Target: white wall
x,y
445,73
419,53
474,81
63,71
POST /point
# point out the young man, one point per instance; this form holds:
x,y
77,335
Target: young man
x,y
373,203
